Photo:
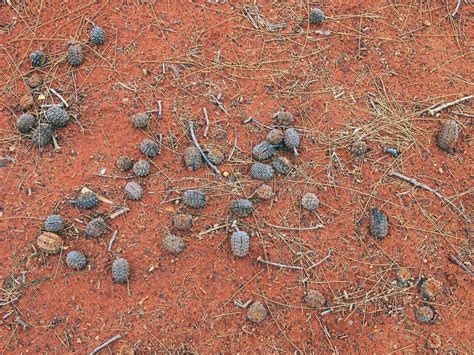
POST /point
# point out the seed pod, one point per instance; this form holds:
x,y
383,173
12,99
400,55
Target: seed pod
x,y
149,147
42,135
275,136
378,223
182,221
425,314
448,136
86,200
430,288
403,277
141,168
283,118
310,201
26,102
194,198
124,163
25,122
282,165
433,341
76,260
97,35
262,171
257,312
96,228
50,243
173,244
359,148
239,243
263,150
264,192
35,80
54,223
292,139
215,155
241,207
192,158
133,191
315,299
74,55
140,120
57,117
37,58
316,16
120,270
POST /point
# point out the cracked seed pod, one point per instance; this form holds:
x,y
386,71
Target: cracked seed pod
x,y
140,120
282,165
292,138
310,201
430,288
448,136
150,148
50,243
433,341
239,243
257,312
133,191
283,118
215,155
192,158
194,198
120,270
37,58
54,223
25,122
263,151
75,56
262,171
141,168
425,314
97,35
173,244
42,135
264,192
124,163
378,223
182,221
76,260
241,207
57,117
316,16
26,102
359,148
96,228
86,200
403,277
35,80
275,136
315,299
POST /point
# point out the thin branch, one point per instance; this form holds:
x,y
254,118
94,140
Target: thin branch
x,y
263,261
198,147
457,8
206,117
318,226
433,111
112,240
105,344
459,263
59,96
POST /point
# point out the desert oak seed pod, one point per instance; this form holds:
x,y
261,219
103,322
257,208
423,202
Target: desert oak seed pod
x,y
86,200
97,35
25,122
182,221
173,244
75,56
124,163
257,312
54,223
316,16
263,151
310,201
42,135
275,136
282,165
96,227
239,243
283,118
140,120
57,117
378,223
37,58
141,168
448,136
76,260
50,243
192,158
425,314
133,191
194,198
262,171
120,270
149,147
241,207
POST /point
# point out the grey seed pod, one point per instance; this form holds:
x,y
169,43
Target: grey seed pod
x,y
215,155
262,171
378,223
37,58
120,270
96,228
359,148
316,16
42,135
25,122
275,136
282,165
192,158
173,244
292,138
315,299
430,288
133,191
35,80
194,198
283,118
74,55
257,312
149,147
425,314
403,277
182,221
393,151
448,136
57,117
124,163
141,168
76,260
97,35
86,200
263,150
241,207
310,201
140,120
264,192
54,223
239,243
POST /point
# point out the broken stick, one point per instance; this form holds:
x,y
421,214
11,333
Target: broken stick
x,y
198,147
433,111
283,266
105,344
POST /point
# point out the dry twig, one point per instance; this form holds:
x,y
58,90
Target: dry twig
x,y
198,147
105,344
433,111
459,263
283,266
